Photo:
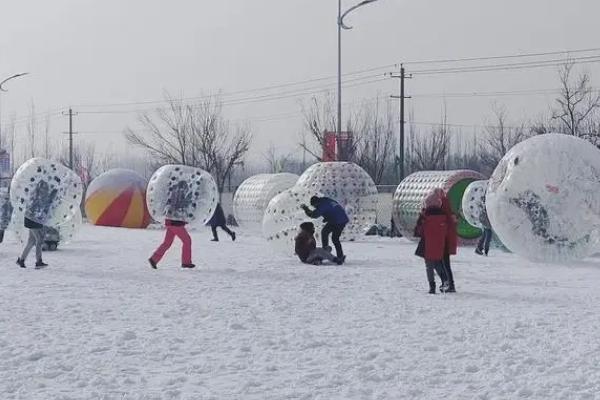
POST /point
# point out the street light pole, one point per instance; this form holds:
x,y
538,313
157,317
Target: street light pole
x,y
4,90
341,26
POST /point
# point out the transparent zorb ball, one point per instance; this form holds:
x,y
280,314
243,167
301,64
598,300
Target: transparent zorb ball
x,y
283,216
349,185
543,198
473,204
181,193
46,192
254,194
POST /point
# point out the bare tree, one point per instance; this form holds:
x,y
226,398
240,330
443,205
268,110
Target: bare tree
x,y
430,152
578,103
275,161
499,139
374,145
196,135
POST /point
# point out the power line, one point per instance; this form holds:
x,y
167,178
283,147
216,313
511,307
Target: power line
x,y
509,56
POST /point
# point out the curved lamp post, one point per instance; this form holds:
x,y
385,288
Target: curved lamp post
x,y
4,90
341,26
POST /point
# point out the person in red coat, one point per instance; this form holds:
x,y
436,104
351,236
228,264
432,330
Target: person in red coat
x,y
432,228
451,237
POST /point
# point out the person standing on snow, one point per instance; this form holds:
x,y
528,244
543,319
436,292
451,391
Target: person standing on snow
x,y
306,246
37,210
451,237
483,247
218,221
432,228
179,199
335,219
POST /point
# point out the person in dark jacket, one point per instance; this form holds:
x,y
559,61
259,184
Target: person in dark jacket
x,y
306,246
432,228
218,221
5,212
36,211
177,204
335,219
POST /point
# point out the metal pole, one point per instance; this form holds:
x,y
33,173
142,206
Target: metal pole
x,y
4,90
339,96
402,122
70,138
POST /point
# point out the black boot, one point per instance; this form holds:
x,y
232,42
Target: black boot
x,y
451,288
152,263
40,264
233,236
432,287
21,262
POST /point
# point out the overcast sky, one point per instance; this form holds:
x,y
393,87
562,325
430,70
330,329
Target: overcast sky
x,y
96,52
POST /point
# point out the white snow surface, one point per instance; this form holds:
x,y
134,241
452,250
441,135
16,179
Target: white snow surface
x,y
248,324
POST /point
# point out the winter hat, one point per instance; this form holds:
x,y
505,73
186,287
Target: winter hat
x,y
308,227
314,200
433,199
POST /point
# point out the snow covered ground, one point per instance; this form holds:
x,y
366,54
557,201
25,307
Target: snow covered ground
x,y
247,324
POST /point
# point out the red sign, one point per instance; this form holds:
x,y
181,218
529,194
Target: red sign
x,y
329,146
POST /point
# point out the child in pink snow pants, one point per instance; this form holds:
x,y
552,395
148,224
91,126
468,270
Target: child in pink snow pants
x,y
174,228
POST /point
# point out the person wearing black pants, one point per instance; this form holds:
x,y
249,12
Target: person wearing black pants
x,y
335,219
483,247
218,221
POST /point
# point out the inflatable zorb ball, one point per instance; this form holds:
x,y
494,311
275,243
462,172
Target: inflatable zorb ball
x,y
412,191
53,236
543,199
181,193
349,185
118,198
254,194
283,216
473,204
46,192
5,209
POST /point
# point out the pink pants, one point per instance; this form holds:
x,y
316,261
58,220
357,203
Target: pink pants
x,y
182,234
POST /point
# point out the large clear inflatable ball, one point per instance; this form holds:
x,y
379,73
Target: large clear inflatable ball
x,y
349,185
181,193
46,192
283,216
412,191
118,198
62,234
254,194
543,198
473,204
6,209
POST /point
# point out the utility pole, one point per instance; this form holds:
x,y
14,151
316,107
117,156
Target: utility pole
x,y
400,160
70,133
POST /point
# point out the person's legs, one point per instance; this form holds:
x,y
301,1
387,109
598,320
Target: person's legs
x,y
227,230
319,254
488,238
215,234
430,276
165,245
325,232
480,243
1,236
335,238
439,268
28,246
186,251
448,271
38,235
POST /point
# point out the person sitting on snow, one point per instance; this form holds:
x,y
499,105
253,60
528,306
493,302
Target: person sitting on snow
x,y
335,219
432,228
306,246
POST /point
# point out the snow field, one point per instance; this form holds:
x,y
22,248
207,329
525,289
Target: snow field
x,y
249,324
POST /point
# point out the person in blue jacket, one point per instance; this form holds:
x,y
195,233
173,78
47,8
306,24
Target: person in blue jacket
x,y
335,219
218,220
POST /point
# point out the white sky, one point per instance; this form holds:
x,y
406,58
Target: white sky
x,y
115,51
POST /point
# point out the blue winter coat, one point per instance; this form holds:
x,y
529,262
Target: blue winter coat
x,y
331,211
218,218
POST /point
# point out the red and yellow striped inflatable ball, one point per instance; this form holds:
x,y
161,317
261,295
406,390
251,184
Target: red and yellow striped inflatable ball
x,y
118,198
